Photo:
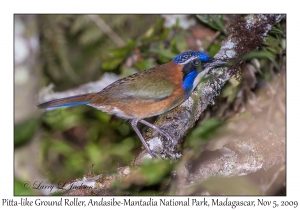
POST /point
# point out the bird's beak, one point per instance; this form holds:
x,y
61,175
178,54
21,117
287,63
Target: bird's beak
x,y
214,63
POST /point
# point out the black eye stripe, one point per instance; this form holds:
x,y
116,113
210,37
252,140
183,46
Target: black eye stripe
x,y
191,66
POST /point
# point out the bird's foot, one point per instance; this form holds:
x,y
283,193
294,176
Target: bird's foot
x,y
167,136
153,155
158,130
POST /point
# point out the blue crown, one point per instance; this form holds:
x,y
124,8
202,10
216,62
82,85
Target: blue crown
x,y
186,56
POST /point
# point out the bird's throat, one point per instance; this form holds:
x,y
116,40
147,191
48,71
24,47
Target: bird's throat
x,y
199,77
192,80
188,82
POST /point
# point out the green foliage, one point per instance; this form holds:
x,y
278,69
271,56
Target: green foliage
x,y
24,131
144,64
259,54
154,171
214,21
231,89
62,119
214,48
204,132
113,58
164,55
153,38
271,53
20,188
75,55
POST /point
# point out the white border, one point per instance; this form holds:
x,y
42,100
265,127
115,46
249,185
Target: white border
x,y
8,8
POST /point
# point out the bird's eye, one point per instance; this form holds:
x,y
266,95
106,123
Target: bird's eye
x,y
196,62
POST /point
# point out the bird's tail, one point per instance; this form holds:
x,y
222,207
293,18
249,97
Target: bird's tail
x,y
68,101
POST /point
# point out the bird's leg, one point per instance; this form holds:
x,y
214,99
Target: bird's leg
x,y
157,129
134,126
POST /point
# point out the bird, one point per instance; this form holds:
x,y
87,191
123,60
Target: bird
x,y
148,93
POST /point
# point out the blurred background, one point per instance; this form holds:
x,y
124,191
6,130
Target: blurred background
x,y
56,54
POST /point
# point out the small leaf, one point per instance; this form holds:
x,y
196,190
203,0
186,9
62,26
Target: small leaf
x,y
144,64
203,132
62,147
123,147
92,35
164,34
63,118
22,188
259,54
214,48
112,64
275,31
283,44
180,42
154,172
79,24
166,53
148,34
121,52
214,21
93,153
271,41
24,131
231,89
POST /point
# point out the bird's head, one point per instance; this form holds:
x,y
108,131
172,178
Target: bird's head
x,y
195,66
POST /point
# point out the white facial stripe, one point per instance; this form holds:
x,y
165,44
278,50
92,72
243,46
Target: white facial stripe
x,y
199,77
188,60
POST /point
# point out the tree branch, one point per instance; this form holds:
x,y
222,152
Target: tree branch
x,y
236,158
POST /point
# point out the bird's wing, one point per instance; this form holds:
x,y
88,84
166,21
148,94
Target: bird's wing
x,y
147,86
154,89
